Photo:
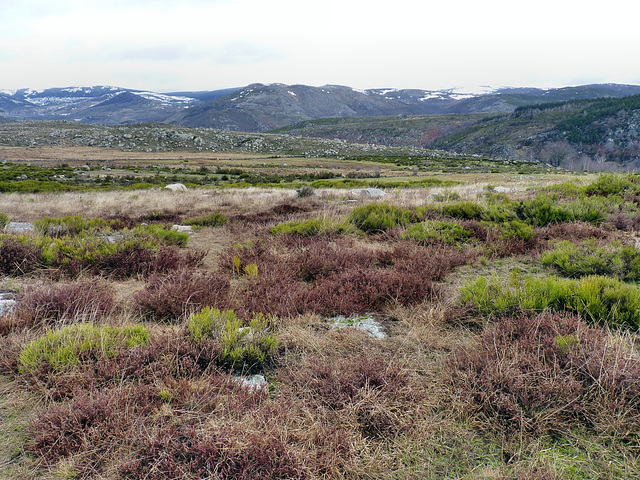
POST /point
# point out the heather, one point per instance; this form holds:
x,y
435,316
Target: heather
x,y
505,344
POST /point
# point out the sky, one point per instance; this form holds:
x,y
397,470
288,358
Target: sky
x,y
187,45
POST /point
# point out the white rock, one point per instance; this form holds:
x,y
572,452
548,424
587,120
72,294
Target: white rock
x,y
502,189
182,229
176,187
368,324
253,382
19,227
367,192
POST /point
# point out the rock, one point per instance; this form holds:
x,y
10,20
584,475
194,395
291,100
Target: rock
x,y
182,229
253,382
19,227
367,192
6,303
176,187
368,324
502,189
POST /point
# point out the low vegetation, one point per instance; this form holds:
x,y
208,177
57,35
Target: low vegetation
x,y
505,340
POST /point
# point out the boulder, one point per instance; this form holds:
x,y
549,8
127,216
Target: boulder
x,y
19,227
368,324
502,189
367,192
176,187
182,228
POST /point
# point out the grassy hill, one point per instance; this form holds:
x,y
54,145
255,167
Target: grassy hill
x,y
596,133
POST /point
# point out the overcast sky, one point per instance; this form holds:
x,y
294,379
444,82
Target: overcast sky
x,y
211,44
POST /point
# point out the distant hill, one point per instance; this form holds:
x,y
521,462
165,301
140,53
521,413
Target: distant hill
x,y
259,107
600,133
98,104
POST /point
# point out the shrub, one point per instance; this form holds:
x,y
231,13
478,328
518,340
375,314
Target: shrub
x,y
62,348
436,231
64,303
571,260
600,300
305,191
542,210
214,219
170,297
244,347
18,256
380,217
4,220
312,227
547,374
466,210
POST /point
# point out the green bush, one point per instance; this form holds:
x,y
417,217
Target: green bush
x,y
62,349
515,230
380,217
600,300
464,210
244,347
429,231
4,219
312,227
571,260
214,219
543,210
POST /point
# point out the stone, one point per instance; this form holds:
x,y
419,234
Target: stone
x,y
6,303
367,192
502,189
253,382
19,227
368,324
182,229
176,187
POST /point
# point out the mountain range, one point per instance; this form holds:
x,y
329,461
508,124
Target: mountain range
x,y
259,107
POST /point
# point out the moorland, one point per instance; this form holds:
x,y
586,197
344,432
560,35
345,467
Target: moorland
x,y
479,320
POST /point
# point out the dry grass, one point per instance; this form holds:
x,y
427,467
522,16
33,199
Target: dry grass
x,y
340,403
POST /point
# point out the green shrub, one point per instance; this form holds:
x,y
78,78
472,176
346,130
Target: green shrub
x,y
244,347
600,300
163,234
430,230
543,210
380,217
312,227
464,210
516,230
214,219
571,260
62,349
610,184
4,219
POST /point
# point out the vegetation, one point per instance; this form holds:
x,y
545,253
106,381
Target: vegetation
x,y
506,342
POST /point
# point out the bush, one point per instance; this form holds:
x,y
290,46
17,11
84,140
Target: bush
x,y
547,374
214,219
305,191
464,210
62,348
380,217
600,300
435,231
64,303
571,260
312,227
18,256
171,297
244,347
543,210
4,220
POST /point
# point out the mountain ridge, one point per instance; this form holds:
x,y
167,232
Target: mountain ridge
x,y
261,107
